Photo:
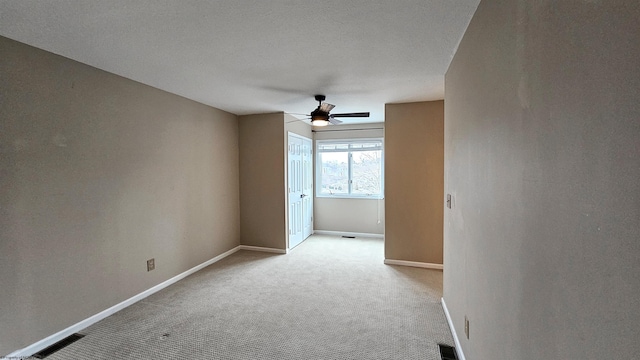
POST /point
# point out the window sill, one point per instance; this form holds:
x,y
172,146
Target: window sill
x,y
344,196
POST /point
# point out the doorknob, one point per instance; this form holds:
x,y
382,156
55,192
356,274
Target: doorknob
x,y
302,196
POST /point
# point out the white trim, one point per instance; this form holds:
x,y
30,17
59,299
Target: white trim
x,y
291,133
413,264
52,339
352,196
453,331
262,249
347,233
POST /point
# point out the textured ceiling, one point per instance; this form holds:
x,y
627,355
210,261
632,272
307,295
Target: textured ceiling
x,y
250,56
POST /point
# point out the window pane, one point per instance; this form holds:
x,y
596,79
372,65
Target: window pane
x,y
352,167
367,172
334,176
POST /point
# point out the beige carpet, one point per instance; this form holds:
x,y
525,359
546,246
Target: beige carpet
x,y
329,298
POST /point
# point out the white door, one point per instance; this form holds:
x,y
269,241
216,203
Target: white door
x,y
299,158
307,188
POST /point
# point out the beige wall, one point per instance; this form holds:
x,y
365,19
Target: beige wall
x,y
349,215
414,178
98,174
262,180
542,247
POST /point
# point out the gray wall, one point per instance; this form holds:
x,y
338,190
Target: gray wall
x,y
542,145
296,126
414,176
349,215
98,174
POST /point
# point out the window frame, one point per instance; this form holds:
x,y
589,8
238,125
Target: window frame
x,y
349,141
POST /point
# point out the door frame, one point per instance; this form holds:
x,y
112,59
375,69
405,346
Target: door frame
x,y
290,217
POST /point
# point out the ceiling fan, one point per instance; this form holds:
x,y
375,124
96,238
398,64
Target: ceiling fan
x,y
321,117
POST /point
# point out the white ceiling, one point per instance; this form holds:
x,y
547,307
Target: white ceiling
x,y
252,56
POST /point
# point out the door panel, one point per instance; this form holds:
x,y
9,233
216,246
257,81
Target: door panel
x,y
300,175
295,191
307,188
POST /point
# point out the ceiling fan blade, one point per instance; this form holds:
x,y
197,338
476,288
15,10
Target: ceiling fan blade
x,y
326,107
360,114
294,114
334,121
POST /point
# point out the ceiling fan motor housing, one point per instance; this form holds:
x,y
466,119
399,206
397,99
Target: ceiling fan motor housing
x,y
318,114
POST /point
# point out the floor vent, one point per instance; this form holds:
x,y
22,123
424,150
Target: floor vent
x,y
57,346
448,352
348,237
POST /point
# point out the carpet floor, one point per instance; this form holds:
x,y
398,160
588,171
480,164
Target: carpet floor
x,y
329,298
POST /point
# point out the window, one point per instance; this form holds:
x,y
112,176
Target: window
x,y
349,168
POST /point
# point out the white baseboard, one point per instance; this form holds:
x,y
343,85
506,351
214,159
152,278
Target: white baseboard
x,y
263,249
453,331
413,264
52,339
347,233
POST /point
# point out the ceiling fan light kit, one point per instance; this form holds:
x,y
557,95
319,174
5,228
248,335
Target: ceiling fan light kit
x,y
321,117
319,121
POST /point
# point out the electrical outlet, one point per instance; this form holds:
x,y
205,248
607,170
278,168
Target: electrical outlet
x,y
151,264
466,326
